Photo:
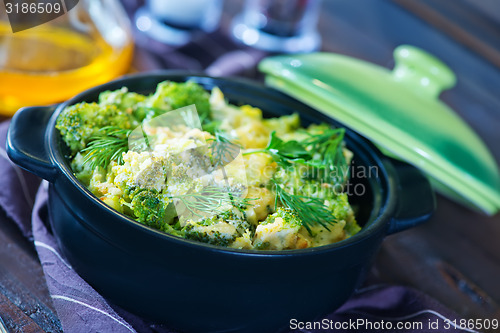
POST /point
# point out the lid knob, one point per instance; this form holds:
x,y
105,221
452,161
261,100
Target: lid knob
x,y
419,68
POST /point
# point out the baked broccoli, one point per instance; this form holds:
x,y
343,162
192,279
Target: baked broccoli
x,y
122,98
286,216
284,124
210,235
131,102
83,171
173,95
342,210
280,231
220,229
149,207
80,122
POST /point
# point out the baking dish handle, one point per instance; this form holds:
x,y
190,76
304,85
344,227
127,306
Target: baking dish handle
x,y
416,201
26,141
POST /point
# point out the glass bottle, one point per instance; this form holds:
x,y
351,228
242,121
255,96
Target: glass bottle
x,y
86,46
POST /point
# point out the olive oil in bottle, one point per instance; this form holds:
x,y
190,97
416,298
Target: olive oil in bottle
x,y
87,46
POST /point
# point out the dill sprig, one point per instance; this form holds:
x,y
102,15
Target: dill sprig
x,y
222,150
211,200
321,152
328,145
107,146
310,211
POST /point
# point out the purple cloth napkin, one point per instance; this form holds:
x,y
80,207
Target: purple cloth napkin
x,y
378,308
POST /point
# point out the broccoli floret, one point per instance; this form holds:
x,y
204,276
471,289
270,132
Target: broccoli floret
x,y
131,102
221,229
78,123
122,98
342,210
284,124
288,217
173,95
280,231
149,208
82,170
214,237
340,206
233,217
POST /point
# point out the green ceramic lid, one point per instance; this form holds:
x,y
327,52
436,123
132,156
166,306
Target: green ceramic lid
x,y
400,111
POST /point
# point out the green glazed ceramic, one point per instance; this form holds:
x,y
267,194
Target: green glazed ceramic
x,y
400,111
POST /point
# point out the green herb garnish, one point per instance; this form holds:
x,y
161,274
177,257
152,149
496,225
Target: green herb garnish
x,y
283,152
331,165
211,200
322,153
222,150
322,156
107,147
310,211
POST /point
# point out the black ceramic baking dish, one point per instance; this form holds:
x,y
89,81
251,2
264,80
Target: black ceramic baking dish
x,y
195,287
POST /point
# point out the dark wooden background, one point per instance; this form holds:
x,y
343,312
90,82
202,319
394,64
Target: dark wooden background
x,y
455,257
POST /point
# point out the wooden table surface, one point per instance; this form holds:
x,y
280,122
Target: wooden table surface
x,y
454,257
